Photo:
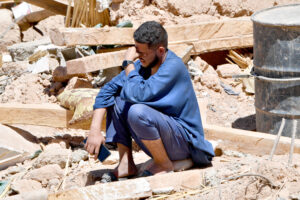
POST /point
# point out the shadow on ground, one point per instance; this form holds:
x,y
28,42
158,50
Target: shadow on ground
x,y
245,123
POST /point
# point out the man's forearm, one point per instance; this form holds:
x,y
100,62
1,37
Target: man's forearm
x,y
98,117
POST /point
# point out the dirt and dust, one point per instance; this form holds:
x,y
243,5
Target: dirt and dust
x,y
234,175
170,12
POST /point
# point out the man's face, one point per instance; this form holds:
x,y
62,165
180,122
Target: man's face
x,y
147,56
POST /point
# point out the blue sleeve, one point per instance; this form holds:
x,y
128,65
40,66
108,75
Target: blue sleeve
x,y
137,90
106,96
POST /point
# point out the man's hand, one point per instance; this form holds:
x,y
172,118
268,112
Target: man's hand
x,y
95,138
94,141
131,54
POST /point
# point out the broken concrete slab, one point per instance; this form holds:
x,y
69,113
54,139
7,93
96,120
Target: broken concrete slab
x,y
13,147
143,187
22,51
132,189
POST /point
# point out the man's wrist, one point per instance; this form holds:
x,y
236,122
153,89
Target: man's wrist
x,y
126,63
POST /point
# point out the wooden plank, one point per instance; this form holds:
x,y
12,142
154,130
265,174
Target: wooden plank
x,y
36,114
113,59
50,5
249,141
219,44
176,34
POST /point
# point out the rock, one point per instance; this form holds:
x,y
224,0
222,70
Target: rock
x,y
79,155
15,169
22,51
211,81
76,82
34,195
211,178
45,173
15,68
201,64
53,184
44,26
295,196
194,69
55,87
210,70
12,35
166,190
53,155
227,70
185,8
41,194
25,186
79,180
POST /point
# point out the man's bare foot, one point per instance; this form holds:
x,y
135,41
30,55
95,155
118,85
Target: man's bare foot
x,y
126,165
155,168
181,165
125,168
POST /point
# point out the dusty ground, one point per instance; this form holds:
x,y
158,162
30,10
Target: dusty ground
x,y
223,180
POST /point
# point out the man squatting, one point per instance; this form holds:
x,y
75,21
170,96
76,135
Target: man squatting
x,y
152,101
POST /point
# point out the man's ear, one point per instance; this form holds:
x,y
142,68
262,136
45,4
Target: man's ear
x,y
161,50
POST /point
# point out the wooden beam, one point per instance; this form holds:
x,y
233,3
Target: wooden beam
x,y
177,34
50,5
36,114
113,59
249,141
219,44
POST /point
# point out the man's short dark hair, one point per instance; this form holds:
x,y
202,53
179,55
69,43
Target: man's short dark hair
x,y
151,33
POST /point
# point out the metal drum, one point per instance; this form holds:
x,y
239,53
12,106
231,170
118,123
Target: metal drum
x,y
277,68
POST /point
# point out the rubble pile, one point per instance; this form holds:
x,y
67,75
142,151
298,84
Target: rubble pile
x,y
33,71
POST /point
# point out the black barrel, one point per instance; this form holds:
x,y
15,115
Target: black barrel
x,y
277,68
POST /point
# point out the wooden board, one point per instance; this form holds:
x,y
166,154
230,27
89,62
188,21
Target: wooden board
x,y
114,59
50,5
219,44
176,34
36,114
249,141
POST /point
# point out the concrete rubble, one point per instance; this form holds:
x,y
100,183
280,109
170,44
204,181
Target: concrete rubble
x,y
42,162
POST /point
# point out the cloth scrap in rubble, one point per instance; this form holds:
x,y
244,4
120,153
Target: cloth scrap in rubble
x,y
228,89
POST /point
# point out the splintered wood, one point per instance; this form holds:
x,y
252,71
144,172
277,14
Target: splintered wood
x,y
85,14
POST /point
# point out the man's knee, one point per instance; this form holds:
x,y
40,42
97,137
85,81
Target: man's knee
x,y
136,113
